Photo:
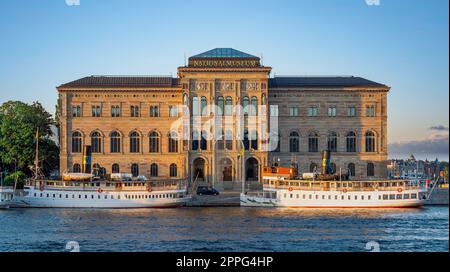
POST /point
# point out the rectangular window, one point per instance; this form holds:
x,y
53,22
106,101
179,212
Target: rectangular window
x,y
370,111
96,111
115,111
351,111
313,111
173,111
154,111
293,111
134,111
332,111
76,111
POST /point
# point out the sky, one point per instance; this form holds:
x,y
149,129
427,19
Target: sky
x,y
401,43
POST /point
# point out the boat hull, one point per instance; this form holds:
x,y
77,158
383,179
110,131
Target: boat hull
x,y
335,199
101,200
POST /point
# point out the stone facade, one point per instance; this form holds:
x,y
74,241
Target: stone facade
x,y
202,125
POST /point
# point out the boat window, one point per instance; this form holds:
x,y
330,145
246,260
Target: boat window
x,y
342,197
41,194
298,196
406,196
67,196
323,196
99,197
335,197
118,197
399,196
356,197
53,195
106,197
391,197
48,195
291,195
85,196
413,196
369,197
112,197
349,197
79,196
362,197
310,196
35,194
385,197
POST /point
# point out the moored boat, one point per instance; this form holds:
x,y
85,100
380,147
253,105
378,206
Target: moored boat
x,y
104,194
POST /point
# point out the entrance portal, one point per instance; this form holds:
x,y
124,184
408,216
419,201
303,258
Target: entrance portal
x,y
226,166
251,170
199,169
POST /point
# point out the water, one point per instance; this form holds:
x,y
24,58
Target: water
x,y
225,229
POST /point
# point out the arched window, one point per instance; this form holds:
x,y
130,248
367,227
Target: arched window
x,y
203,141
135,169
313,142
154,142
294,142
173,142
220,140
77,142
254,106
135,142
115,168
254,140
195,140
351,169
313,167
96,142
76,168
370,169
246,141
229,106
332,168
115,142
220,106
173,170
351,141
195,106
370,141
154,170
245,102
332,142
229,140
204,105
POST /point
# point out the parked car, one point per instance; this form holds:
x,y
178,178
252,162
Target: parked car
x,y
205,190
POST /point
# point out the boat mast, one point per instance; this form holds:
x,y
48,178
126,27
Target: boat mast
x,y
37,169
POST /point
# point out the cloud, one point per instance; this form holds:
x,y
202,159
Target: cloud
x,y
439,128
435,145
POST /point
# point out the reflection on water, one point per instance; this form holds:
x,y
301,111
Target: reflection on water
x,y
225,229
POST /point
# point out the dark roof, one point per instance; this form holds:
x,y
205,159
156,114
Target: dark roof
x,y
123,81
224,53
322,81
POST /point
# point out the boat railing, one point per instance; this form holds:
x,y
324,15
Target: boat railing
x,y
341,188
126,186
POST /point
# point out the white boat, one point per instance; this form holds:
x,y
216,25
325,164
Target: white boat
x,y
6,197
285,190
103,194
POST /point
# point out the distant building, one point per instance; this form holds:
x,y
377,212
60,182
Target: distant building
x,y
412,168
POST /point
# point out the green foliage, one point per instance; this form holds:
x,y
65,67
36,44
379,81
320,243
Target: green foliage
x,y
18,124
10,180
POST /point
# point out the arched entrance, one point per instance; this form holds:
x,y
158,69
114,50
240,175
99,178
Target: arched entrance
x,y
199,169
251,169
226,168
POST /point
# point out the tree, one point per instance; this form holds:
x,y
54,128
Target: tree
x,y
18,124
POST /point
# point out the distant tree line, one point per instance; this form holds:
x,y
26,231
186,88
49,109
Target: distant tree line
x,y
18,125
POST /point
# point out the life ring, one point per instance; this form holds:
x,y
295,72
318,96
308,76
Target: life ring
x,y
100,190
150,190
345,190
399,190
291,189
